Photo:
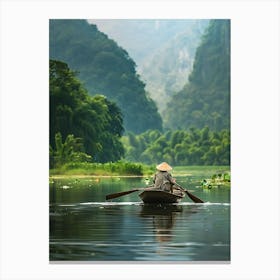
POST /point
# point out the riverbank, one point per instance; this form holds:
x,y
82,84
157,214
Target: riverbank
x,y
80,176
130,170
110,169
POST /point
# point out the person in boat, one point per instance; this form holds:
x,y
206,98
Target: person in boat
x,y
163,180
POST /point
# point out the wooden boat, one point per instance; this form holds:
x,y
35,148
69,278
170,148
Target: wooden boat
x,y
159,196
153,195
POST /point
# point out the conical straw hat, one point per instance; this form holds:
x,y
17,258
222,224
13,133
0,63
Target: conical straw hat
x,y
164,167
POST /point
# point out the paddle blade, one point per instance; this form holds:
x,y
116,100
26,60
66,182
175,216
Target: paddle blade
x,y
115,195
193,197
190,195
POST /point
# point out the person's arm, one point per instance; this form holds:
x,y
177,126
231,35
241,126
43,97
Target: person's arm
x,y
171,179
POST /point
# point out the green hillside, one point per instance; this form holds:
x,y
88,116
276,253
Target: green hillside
x,y
205,99
104,68
163,50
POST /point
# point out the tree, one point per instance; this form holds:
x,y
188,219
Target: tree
x,y
69,151
193,147
96,120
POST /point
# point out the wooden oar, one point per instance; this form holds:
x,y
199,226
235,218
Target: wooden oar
x,y
115,195
190,195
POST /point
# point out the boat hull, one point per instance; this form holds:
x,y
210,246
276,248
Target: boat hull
x,y
159,196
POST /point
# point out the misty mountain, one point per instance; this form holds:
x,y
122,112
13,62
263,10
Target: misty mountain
x,y
205,98
162,49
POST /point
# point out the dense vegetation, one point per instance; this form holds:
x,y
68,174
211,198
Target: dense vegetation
x,y
104,68
82,127
193,147
205,100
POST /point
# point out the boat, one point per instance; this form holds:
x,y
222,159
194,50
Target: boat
x,y
159,196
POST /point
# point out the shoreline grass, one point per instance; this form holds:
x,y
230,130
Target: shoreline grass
x,y
109,169
127,169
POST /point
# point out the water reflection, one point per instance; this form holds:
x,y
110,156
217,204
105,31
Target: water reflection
x,y
85,227
163,219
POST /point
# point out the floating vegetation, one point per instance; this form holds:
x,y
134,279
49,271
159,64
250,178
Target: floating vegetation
x,y
216,180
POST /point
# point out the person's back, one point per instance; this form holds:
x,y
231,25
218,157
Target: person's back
x,y
163,180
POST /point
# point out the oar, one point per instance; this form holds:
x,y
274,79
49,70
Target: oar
x,y
115,195
190,195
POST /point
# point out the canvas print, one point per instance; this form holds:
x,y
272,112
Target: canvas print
x,y
139,140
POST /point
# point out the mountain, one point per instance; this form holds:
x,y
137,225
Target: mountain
x,y
104,68
162,49
205,98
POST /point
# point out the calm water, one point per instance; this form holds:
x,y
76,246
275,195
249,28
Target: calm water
x,y
84,227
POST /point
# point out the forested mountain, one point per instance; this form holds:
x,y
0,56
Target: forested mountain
x,y
205,99
104,68
162,49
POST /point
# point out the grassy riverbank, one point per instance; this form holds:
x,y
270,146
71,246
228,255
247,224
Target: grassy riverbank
x,y
129,169
119,168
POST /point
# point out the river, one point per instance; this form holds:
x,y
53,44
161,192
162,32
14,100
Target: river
x,y
85,227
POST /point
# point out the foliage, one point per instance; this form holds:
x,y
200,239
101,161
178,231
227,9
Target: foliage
x,y
109,168
220,179
205,99
193,147
69,151
104,68
96,120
